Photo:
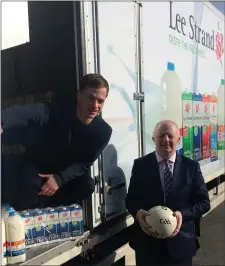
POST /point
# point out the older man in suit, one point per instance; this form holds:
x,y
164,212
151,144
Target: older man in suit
x,y
166,178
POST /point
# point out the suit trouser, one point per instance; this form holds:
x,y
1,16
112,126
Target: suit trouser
x,y
26,196
160,256
146,259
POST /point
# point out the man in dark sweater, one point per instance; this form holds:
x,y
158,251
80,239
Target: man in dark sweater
x,y
66,139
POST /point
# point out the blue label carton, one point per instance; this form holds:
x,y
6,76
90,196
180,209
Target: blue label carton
x,y
39,232
29,228
52,222
76,223
64,222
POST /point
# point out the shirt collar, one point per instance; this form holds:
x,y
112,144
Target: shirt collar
x,y
160,159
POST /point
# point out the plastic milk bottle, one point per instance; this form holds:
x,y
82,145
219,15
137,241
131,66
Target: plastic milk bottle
x,y
187,124
3,250
213,125
172,99
6,211
221,117
15,236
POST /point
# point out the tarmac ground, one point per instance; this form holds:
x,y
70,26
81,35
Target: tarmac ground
x,y
212,239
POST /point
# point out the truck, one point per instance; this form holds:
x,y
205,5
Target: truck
x,y
163,60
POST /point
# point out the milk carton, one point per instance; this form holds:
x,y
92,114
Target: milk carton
x,y
64,223
187,103
52,218
197,124
76,223
29,228
213,131
221,118
39,232
206,128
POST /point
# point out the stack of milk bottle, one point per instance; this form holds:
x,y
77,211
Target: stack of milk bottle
x,y
31,228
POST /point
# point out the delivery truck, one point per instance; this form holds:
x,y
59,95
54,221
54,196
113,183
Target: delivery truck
x,y
163,60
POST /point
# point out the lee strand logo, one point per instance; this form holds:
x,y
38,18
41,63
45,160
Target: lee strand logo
x,y
197,108
187,116
219,47
209,39
213,113
187,107
206,108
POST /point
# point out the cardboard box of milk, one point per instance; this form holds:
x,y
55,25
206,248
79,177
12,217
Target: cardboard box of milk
x,y
197,126
206,128
76,223
39,232
29,228
64,223
213,125
187,110
52,218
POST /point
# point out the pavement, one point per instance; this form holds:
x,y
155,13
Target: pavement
x,y
212,240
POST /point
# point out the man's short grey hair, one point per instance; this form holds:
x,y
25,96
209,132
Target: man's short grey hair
x,y
165,122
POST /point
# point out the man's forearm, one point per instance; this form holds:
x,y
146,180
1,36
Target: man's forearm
x,y
24,115
73,171
196,211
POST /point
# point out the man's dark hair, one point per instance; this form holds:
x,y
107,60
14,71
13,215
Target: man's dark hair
x,y
94,81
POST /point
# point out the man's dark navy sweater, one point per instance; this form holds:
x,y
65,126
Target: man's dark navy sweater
x,y
59,143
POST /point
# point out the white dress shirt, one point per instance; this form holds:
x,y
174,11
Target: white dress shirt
x,y
161,163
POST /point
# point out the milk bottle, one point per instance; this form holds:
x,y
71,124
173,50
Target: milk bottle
x,y
15,236
187,124
221,118
5,205
213,125
197,124
172,99
3,250
6,211
206,128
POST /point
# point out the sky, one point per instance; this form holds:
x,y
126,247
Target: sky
x,y
15,25
219,5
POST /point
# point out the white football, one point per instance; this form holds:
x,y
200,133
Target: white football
x,y
162,221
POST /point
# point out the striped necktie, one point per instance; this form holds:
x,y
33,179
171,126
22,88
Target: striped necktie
x,y
168,178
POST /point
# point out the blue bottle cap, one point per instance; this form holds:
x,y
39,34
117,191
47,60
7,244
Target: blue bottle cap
x,y
9,209
12,213
170,66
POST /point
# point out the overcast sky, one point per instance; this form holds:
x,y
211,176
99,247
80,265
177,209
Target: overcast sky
x,y
220,5
15,25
